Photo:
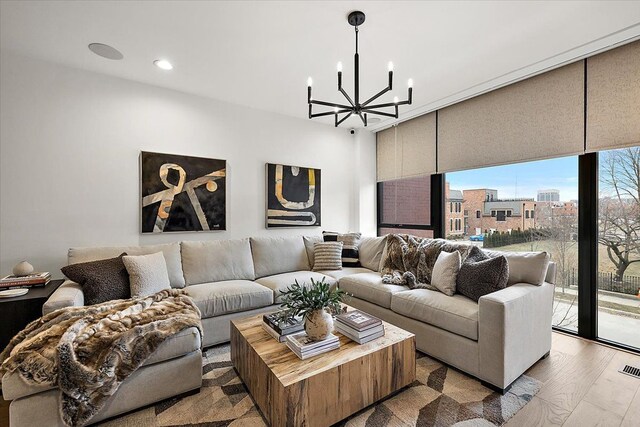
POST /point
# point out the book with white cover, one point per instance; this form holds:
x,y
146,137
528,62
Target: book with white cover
x,y
303,343
360,334
364,340
314,352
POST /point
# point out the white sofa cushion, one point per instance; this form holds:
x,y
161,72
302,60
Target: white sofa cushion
x,y
275,255
457,314
525,267
171,252
369,287
371,249
345,271
281,282
229,296
217,260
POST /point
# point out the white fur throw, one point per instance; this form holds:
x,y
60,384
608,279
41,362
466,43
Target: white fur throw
x,y
89,351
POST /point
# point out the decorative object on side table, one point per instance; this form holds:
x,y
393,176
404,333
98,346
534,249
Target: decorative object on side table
x,y
22,268
312,303
32,280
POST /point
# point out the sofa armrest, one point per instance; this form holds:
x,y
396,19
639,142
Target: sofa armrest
x,y
514,331
69,294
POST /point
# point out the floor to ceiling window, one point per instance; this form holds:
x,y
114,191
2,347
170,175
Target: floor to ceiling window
x,y
619,246
530,206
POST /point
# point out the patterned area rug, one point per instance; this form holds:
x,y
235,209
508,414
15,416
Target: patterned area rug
x,y
440,396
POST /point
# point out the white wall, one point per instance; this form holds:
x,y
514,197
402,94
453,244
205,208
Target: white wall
x,y
69,147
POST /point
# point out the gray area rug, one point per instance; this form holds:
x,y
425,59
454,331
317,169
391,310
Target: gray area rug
x,y
441,396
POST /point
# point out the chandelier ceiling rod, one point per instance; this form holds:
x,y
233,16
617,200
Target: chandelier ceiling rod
x,y
355,107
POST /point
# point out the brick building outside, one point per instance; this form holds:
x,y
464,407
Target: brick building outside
x,y
454,213
481,211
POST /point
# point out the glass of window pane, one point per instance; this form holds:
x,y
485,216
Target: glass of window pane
x,y
530,206
619,246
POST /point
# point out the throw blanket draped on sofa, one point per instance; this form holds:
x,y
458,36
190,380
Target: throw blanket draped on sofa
x,y
409,260
88,351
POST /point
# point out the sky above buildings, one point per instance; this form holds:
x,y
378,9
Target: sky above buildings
x,y
522,179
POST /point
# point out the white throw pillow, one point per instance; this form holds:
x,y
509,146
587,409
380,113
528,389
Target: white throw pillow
x,y
147,274
445,271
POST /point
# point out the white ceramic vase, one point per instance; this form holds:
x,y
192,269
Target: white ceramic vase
x,y
318,325
22,269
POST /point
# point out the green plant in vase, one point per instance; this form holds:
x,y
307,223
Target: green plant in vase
x,y
312,303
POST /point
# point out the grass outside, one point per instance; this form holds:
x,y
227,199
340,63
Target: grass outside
x,y
604,263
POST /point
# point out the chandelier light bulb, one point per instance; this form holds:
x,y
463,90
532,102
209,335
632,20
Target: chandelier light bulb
x,y
309,82
339,67
410,83
390,66
335,110
395,100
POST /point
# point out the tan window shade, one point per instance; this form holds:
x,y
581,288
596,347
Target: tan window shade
x,y
407,150
613,98
537,118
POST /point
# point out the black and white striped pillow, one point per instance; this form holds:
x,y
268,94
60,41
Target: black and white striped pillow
x,y
327,256
350,241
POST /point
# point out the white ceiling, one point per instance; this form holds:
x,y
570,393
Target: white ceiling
x,y
259,53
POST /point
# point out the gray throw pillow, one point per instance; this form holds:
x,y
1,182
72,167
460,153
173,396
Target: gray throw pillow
x,y
101,281
147,274
480,274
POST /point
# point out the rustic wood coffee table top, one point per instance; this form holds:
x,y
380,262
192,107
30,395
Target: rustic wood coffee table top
x,y
326,388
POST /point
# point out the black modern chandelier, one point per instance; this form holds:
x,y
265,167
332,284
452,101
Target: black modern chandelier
x,y
355,107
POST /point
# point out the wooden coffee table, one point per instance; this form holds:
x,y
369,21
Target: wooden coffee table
x,y
324,389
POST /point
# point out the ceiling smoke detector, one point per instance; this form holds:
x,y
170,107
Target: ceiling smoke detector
x,y
106,51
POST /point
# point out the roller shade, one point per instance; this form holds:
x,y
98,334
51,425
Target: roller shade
x,y
407,150
613,98
537,118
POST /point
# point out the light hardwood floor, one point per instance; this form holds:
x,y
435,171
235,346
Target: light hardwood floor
x,y
582,387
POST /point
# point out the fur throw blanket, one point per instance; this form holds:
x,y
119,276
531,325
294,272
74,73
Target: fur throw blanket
x,y
89,351
409,260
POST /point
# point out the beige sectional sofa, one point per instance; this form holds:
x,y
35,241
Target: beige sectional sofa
x,y
495,340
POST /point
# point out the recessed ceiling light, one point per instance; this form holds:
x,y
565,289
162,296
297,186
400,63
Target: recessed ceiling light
x,y
163,64
373,120
105,51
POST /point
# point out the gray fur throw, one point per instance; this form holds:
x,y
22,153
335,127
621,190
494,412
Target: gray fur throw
x,y
89,351
409,259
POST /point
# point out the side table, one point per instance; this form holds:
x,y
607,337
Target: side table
x,y
17,312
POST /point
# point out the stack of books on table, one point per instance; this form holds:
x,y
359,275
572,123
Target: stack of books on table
x,y
304,347
33,280
279,327
359,326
